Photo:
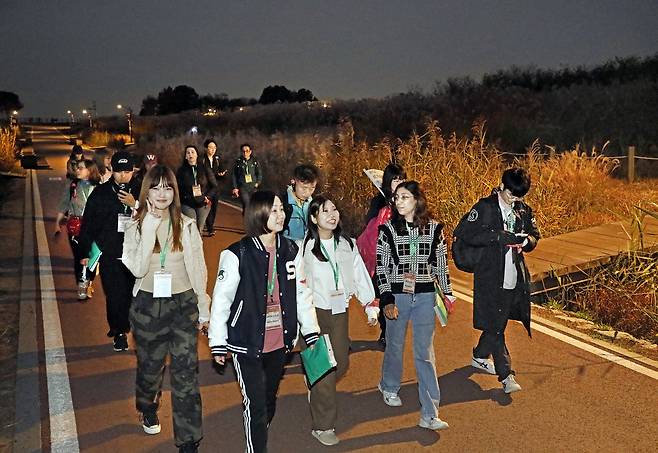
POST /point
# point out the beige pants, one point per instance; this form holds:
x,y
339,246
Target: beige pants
x,y
323,393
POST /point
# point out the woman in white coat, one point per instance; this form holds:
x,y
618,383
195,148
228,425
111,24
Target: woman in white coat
x,y
336,273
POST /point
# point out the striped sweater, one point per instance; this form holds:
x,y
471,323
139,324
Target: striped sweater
x,y
394,259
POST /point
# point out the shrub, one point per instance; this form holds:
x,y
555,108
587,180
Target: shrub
x,y
7,148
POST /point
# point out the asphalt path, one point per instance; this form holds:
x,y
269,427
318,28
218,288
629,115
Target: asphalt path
x,y
572,399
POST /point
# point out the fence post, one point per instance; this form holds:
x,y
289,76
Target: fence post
x,y
631,163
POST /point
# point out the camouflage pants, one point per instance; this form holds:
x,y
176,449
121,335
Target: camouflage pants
x,y
164,326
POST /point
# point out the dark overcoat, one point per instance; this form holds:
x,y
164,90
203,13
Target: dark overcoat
x,y
491,310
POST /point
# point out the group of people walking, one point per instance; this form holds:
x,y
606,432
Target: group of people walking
x,y
288,281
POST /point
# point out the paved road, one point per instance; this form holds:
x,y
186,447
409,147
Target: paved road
x,y
572,400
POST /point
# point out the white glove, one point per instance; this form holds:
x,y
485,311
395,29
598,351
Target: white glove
x,y
372,313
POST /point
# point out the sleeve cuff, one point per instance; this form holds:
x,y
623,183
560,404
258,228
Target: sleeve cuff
x,y
311,338
218,350
386,298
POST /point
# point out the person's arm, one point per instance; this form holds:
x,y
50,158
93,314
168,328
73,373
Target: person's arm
x,y
381,270
228,279
365,292
258,173
306,317
531,228
138,247
439,268
235,175
200,275
62,208
92,222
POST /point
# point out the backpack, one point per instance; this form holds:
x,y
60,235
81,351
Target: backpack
x,y
367,241
465,256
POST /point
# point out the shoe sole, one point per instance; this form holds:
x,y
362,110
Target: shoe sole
x,y
152,429
396,404
439,428
513,390
328,444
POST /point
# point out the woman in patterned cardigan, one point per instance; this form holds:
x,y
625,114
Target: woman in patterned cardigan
x,y
411,258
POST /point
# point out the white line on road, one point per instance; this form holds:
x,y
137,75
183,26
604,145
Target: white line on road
x,y
582,345
63,429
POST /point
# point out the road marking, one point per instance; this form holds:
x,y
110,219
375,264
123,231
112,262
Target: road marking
x,y
28,402
63,429
55,178
237,208
614,358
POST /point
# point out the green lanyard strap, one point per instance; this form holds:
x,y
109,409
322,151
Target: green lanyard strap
x,y
194,173
272,280
334,267
163,249
413,243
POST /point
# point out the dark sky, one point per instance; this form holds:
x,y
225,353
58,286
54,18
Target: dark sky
x,y
59,55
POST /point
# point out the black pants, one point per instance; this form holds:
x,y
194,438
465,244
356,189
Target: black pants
x,y
210,220
245,194
117,284
493,343
259,380
77,256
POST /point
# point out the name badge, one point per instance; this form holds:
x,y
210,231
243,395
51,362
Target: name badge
x,y
247,178
122,222
162,284
273,317
337,300
409,285
196,190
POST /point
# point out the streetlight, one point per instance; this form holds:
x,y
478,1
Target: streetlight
x,y
84,112
129,115
70,113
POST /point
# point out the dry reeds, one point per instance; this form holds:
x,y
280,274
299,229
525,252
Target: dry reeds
x,y
7,147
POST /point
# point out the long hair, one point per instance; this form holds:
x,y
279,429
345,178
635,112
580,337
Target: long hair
x,y
421,213
99,158
201,177
318,203
94,175
391,172
156,175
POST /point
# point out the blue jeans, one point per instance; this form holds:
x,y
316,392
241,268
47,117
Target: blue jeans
x,y
419,308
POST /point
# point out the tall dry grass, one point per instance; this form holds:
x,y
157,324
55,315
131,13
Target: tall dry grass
x,y
7,148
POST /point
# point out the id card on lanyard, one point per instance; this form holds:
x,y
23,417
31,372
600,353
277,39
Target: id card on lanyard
x,y
409,283
247,176
196,187
273,318
162,278
336,296
122,222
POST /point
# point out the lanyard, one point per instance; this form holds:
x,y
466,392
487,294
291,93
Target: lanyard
x,y
272,280
194,173
334,267
413,243
163,249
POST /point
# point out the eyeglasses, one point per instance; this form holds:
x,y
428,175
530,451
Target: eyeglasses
x,y
402,197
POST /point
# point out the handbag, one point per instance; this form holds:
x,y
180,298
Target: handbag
x,y
443,305
73,225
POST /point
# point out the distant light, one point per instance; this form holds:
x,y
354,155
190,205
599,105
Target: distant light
x,y
68,111
194,130
119,106
15,112
241,109
84,111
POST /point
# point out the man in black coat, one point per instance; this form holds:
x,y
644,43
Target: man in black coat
x,y
108,210
504,227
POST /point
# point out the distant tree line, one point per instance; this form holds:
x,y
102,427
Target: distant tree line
x,y
183,98
9,102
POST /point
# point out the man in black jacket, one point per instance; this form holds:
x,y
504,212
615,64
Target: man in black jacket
x,y
247,175
504,226
108,210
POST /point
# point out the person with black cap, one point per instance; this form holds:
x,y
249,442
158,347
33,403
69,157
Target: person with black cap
x,y
108,211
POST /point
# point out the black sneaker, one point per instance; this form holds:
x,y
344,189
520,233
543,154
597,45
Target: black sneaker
x,y
121,342
151,423
189,447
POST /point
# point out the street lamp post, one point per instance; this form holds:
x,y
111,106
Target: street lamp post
x,y
85,112
70,113
129,116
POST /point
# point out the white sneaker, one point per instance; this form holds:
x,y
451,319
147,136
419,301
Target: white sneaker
x,y
390,398
485,365
433,423
327,437
510,385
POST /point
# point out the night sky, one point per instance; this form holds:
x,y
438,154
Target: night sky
x,y
59,55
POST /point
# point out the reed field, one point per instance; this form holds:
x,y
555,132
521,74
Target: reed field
x,y
571,189
7,148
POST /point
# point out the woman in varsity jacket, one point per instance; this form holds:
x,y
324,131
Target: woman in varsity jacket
x,y
259,300
411,259
335,272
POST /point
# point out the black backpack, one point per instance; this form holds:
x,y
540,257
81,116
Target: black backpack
x,y
465,256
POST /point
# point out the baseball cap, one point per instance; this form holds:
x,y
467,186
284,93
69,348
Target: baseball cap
x,y
122,161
